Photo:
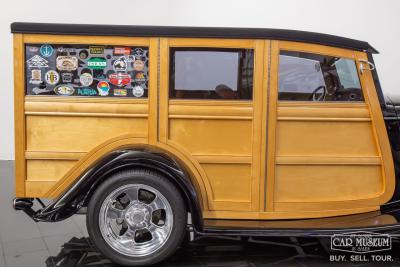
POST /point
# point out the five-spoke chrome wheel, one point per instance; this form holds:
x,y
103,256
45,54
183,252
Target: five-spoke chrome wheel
x,y
135,220
137,217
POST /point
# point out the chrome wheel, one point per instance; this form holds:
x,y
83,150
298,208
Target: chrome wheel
x,y
135,220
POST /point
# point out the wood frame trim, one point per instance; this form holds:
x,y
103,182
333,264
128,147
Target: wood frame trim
x,y
19,95
379,131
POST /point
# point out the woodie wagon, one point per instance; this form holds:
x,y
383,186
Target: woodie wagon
x,y
153,131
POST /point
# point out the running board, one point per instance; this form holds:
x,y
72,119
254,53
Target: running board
x,y
386,220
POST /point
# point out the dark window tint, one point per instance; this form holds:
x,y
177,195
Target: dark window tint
x,y
211,73
312,77
86,70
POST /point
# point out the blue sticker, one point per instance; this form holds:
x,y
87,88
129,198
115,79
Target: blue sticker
x,y
46,50
87,91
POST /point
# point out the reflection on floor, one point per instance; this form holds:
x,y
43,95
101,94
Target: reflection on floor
x,y
222,252
28,244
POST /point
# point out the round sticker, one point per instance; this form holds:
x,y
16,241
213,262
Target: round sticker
x,y
46,50
138,65
83,54
86,79
52,77
103,87
138,91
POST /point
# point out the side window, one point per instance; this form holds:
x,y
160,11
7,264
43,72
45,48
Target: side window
x,y
86,70
211,73
312,77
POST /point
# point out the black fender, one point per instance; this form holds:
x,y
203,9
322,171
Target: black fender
x,y
79,193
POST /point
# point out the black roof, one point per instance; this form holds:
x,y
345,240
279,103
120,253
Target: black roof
x,y
195,32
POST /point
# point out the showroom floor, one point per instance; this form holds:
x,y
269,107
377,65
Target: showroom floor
x,y
25,243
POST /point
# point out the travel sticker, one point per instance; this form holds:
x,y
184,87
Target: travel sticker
x,y
37,62
39,91
86,91
140,77
138,52
120,92
66,63
103,87
46,50
66,50
36,77
138,91
83,54
52,77
138,65
120,64
122,50
96,50
86,79
64,90
97,63
120,79
33,49
66,77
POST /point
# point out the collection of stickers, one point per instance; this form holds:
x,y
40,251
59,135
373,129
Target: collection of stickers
x,y
84,70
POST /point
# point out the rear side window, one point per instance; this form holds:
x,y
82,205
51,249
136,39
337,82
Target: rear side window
x,y
86,70
211,73
313,77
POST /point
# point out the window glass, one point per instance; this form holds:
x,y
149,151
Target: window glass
x,y
211,73
312,77
86,70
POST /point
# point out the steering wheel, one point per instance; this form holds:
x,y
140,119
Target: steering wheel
x,y
317,95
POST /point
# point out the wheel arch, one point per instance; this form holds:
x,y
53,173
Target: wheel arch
x,y
139,155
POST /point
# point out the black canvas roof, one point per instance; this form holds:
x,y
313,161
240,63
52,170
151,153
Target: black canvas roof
x,y
194,32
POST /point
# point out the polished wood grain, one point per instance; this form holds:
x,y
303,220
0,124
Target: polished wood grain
x,y
260,159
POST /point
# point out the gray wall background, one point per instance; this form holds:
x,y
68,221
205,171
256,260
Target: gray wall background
x,y
377,22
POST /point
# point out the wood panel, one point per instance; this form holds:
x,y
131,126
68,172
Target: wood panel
x,y
323,183
77,134
48,170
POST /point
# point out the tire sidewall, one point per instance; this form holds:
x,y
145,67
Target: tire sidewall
x,y
166,188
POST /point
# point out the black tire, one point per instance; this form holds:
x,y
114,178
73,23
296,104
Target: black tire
x,y
145,177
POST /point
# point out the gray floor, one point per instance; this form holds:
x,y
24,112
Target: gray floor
x,y
24,242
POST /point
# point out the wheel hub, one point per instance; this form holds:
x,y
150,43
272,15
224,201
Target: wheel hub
x,y
137,215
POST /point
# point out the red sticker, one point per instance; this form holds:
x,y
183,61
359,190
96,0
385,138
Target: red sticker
x,y
122,50
120,79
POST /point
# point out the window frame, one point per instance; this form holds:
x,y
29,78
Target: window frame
x,y
168,43
278,46
173,50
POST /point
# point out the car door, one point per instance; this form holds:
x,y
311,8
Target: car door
x,y
211,110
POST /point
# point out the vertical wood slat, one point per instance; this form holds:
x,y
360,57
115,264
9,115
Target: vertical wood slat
x,y
19,127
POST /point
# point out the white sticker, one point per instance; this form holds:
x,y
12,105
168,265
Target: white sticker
x,y
36,77
67,63
37,62
120,64
138,91
52,77
64,90
39,91
86,79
